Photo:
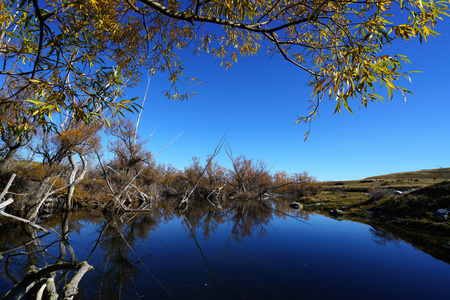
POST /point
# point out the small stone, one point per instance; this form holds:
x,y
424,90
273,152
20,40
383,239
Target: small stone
x,y
336,212
445,244
296,205
441,214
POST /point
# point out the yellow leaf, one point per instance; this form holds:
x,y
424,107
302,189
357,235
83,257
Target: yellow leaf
x,y
390,85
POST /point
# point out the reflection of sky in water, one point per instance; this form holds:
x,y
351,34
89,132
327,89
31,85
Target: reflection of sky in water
x,y
315,258
320,258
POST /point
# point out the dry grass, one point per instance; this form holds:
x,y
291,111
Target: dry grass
x,y
399,181
431,174
375,199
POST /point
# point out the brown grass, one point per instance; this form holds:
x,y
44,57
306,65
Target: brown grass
x,y
374,199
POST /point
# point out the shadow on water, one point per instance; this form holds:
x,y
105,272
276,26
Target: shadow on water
x,y
34,265
436,245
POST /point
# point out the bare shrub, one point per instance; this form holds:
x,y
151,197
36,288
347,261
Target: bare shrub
x,y
378,194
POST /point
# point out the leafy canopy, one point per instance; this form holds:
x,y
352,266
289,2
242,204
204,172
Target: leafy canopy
x,y
74,58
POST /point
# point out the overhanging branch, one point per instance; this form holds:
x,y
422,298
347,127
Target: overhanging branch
x,y
194,17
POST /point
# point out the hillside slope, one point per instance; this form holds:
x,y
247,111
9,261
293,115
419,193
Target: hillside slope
x,y
414,199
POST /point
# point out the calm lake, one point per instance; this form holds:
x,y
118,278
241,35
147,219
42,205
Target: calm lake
x,y
240,250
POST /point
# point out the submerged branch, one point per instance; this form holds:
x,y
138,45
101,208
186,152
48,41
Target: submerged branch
x,y
21,219
211,272
33,277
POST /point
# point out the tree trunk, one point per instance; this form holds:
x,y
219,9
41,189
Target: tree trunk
x,y
74,181
4,163
68,204
32,203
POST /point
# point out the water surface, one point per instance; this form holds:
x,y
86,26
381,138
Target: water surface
x,y
240,250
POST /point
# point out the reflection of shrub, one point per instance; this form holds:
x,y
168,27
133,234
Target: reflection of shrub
x,y
246,196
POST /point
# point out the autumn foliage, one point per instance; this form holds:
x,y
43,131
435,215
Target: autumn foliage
x,y
141,177
297,185
71,168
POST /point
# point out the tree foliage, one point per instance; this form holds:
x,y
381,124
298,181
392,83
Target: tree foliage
x,y
75,57
297,185
247,175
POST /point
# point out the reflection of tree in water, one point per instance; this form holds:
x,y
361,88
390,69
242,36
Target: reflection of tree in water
x,y
201,214
247,218
117,238
282,210
252,217
19,247
117,264
433,243
35,273
120,235
383,237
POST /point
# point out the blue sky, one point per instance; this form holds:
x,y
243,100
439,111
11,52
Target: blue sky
x,y
260,98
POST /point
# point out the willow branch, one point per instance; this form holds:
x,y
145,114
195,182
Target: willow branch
x,y
190,17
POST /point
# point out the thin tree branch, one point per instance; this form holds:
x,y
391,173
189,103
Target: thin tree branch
x,y
8,185
187,195
23,220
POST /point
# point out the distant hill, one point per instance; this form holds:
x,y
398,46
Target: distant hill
x,y
400,181
436,174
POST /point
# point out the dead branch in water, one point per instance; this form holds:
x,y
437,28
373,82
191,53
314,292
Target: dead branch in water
x,y
217,191
188,194
32,278
23,220
10,201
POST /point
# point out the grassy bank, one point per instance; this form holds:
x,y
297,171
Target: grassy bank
x,y
408,199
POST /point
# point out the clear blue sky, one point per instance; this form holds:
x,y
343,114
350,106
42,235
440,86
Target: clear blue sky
x,y
259,100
